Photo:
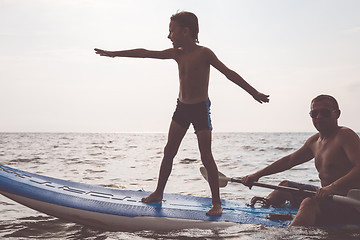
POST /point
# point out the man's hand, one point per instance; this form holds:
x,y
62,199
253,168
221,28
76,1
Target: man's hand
x,y
261,98
324,192
104,53
249,180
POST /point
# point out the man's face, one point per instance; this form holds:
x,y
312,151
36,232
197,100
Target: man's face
x,y
324,115
176,34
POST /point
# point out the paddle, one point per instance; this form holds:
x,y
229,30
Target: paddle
x,y
352,198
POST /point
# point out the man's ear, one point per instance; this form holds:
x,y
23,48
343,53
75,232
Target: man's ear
x,y
338,112
186,31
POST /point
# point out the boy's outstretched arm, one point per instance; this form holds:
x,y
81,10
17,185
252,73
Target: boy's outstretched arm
x,y
139,53
236,78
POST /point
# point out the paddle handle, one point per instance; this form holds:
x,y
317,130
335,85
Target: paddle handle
x,y
276,187
346,200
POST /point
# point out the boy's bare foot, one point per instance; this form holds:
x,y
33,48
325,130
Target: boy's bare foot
x,y
153,197
216,210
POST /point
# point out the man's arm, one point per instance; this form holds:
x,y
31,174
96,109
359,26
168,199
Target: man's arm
x,y
236,78
139,53
350,142
302,155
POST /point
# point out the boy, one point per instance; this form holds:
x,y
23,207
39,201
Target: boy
x,y
193,105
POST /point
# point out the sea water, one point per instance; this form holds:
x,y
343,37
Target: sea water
x,y
132,160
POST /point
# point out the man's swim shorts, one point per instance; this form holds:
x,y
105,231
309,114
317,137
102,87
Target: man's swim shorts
x,y
332,212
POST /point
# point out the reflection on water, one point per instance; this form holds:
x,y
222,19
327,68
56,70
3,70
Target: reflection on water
x,y
131,161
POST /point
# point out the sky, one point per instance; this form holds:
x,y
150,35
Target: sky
x,y
52,81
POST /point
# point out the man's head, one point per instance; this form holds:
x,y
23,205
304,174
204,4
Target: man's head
x,y
328,98
324,112
188,22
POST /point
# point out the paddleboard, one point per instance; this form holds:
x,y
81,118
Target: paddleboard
x,y
122,210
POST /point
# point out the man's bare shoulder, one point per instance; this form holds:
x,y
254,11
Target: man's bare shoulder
x,y
346,130
350,143
311,140
347,134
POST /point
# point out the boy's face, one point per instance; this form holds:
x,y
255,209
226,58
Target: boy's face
x,y
176,34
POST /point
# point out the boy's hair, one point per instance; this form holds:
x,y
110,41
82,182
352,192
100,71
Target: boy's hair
x,y
327,97
189,20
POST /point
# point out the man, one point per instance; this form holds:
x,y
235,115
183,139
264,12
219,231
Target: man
x,y
336,150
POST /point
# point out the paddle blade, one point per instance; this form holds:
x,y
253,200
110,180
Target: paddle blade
x,y
204,173
223,180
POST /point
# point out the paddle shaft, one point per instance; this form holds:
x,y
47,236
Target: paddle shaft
x,y
276,187
352,198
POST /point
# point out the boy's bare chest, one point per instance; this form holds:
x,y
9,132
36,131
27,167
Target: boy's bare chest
x,y
192,68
